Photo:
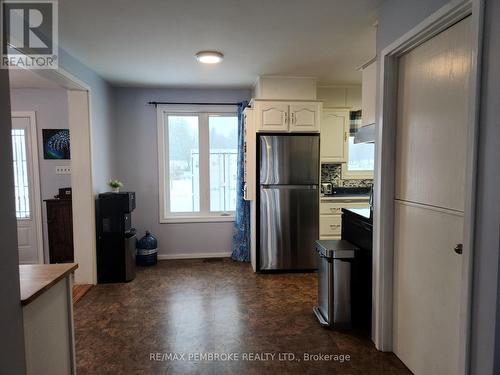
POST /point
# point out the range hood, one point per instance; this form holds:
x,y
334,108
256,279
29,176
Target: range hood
x,y
365,134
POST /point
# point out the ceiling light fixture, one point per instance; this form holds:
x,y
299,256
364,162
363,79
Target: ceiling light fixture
x,y
209,57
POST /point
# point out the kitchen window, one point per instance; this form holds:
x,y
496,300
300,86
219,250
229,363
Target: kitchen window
x,y
198,148
360,156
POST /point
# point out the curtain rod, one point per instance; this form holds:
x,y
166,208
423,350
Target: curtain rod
x,y
186,103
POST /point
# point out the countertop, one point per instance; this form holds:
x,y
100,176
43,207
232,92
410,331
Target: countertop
x,y
328,198
35,279
362,212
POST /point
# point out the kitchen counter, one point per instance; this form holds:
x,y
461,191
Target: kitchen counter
x,y
334,198
46,297
362,213
35,279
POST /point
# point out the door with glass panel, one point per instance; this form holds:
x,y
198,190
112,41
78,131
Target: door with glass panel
x,y
27,188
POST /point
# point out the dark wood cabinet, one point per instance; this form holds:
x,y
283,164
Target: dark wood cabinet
x,y
60,230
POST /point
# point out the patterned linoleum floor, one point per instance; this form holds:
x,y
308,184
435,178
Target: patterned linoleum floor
x,y
160,322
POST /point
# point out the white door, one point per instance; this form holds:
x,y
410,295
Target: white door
x,y
334,127
431,144
27,188
304,117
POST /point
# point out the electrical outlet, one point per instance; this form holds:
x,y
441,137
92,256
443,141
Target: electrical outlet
x,y
63,170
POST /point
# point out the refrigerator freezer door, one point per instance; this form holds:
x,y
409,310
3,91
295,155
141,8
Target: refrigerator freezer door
x,y
289,221
289,159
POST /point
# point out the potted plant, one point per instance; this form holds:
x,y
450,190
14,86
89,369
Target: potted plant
x,y
115,185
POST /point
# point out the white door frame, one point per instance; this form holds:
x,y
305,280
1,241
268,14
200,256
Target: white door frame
x,y
36,199
79,96
383,246
83,198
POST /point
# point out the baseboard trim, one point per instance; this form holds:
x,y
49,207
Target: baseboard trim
x,y
193,256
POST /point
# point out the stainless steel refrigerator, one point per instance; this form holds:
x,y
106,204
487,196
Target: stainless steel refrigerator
x,y
288,214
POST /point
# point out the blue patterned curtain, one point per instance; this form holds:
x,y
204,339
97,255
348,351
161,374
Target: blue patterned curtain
x,y
241,231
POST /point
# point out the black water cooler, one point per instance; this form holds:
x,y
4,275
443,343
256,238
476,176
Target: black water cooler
x,y
115,237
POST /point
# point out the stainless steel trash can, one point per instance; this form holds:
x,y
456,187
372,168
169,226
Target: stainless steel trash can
x,y
334,283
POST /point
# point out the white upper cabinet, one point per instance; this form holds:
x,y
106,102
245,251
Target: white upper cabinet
x,y
369,93
272,116
285,116
304,117
334,128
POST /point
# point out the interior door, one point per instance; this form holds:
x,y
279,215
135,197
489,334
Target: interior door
x,y
432,128
27,188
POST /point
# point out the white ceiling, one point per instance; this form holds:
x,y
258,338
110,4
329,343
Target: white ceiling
x,y
153,42
29,79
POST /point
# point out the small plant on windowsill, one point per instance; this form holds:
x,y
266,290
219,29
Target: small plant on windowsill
x,y
115,185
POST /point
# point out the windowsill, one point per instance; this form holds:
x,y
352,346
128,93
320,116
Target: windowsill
x,y
355,175
197,219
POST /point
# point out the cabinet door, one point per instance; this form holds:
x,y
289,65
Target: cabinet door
x,y
335,208
272,116
330,225
60,231
330,220
369,93
305,117
334,128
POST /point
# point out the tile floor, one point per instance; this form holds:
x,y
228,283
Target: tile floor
x,y
196,306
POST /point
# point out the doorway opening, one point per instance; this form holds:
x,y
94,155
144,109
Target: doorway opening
x,y
53,175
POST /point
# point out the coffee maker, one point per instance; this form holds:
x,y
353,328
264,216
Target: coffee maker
x,y
116,237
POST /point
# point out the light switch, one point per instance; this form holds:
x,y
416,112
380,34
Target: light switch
x,y
63,170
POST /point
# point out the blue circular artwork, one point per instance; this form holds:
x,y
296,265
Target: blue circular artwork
x,y
56,144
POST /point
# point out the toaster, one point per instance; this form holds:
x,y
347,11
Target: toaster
x,y
327,188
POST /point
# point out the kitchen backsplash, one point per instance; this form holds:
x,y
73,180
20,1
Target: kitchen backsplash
x,y
332,173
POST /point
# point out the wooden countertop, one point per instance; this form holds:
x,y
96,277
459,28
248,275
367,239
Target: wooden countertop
x,y
35,279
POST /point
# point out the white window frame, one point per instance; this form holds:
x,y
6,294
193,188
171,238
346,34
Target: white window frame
x,y
203,111
353,175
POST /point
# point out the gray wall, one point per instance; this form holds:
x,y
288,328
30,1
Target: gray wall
x,y
395,18
11,318
485,346
136,159
51,107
